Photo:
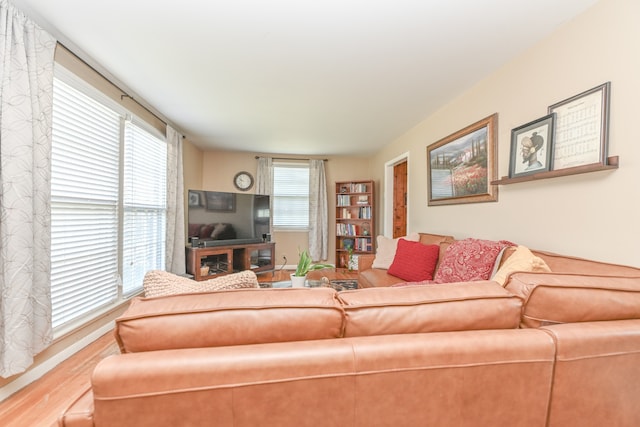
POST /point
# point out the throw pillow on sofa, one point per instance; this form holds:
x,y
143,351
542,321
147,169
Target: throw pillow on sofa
x,y
159,283
414,261
206,230
522,259
468,260
386,250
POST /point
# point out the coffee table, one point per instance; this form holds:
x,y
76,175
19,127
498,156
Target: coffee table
x,y
338,285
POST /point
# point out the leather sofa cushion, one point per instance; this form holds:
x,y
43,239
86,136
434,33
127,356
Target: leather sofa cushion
x,y
437,239
243,316
551,298
430,308
377,277
570,264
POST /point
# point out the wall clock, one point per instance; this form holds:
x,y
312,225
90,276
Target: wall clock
x,y
243,181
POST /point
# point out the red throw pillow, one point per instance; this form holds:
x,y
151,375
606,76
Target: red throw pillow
x,y
414,261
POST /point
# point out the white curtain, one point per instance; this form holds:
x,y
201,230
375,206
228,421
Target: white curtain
x,y
26,93
318,214
264,178
175,239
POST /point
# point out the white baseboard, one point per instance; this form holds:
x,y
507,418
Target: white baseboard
x,y
40,370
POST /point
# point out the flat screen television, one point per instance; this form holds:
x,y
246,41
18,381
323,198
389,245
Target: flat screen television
x,y
218,218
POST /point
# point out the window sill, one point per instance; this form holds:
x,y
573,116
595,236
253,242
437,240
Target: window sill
x,y
290,230
92,318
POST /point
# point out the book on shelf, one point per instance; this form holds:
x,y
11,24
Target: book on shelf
x,y
358,188
362,244
346,229
344,200
364,212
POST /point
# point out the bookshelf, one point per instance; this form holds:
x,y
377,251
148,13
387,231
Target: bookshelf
x,y
355,221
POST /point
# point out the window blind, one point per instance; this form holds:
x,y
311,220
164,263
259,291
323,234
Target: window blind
x,y
145,204
291,196
84,204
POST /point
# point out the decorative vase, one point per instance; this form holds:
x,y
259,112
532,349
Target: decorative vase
x,y
298,281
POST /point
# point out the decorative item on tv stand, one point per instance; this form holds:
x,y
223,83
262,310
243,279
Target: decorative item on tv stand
x,y
355,219
305,265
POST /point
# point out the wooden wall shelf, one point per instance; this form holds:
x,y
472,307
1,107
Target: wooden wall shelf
x,y
612,163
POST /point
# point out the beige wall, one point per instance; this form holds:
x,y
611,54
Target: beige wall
x,y
191,172
74,64
192,167
219,168
592,215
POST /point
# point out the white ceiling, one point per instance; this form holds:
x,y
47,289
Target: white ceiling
x,y
308,77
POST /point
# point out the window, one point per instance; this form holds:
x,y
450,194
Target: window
x,y
291,196
145,190
108,207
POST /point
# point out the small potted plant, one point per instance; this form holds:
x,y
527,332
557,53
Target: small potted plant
x,y
305,265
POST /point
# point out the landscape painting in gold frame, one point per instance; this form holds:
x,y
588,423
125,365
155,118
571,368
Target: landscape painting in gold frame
x,y
461,166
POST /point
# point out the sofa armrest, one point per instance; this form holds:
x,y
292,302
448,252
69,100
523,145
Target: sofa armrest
x,y
365,261
599,359
552,298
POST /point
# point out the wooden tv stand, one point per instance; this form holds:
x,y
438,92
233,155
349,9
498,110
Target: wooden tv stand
x,y
259,257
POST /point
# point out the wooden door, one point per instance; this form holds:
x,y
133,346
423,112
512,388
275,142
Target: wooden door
x,y
400,199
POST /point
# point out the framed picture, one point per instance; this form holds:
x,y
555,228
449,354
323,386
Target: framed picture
x,y
194,199
223,202
532,147
460,167
582,128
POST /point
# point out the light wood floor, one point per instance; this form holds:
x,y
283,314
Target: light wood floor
x,y
42,402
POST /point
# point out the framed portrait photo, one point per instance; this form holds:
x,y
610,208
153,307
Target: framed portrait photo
x,y
532,147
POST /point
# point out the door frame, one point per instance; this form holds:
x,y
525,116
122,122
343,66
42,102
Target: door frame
x,y
388,192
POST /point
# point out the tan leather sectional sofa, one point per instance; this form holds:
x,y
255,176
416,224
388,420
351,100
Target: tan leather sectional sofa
x,y
559,264
558,349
